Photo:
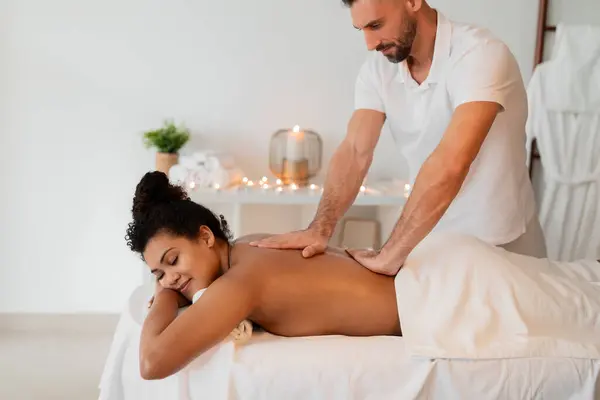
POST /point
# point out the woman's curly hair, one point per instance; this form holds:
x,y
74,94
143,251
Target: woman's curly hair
x,y
159,206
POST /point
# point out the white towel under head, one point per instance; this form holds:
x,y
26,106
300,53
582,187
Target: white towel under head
x,y
197,295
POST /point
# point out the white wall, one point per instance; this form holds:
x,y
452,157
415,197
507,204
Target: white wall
x,y
514,21
80,81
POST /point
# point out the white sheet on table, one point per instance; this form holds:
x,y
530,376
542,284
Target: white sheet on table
x,y
341,368
111,385
459,297
372,368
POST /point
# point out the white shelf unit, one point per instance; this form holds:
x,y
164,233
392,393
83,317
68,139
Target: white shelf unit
x,y
292,209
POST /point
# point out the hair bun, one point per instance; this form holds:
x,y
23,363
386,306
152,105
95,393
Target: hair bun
x,y
155,189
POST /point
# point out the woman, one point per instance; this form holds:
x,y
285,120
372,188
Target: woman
x,y
187,248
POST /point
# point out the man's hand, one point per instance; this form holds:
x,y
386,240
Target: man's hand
x,y
347,170
309,241
376,261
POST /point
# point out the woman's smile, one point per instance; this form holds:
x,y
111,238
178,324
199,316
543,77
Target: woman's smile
x,y
182,288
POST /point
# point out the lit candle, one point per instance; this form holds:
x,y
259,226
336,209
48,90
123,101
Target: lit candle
x,y
217,187
313,187
407,189
295,145
250,183
279,190
245,180
363,189
294,186
279,182
264,179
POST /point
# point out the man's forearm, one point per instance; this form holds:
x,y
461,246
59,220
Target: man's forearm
x,y
434,190
346,173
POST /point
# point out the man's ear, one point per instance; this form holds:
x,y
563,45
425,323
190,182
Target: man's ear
x,y
414,5
207,236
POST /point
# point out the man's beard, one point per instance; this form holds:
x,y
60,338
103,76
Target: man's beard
x,y
403,45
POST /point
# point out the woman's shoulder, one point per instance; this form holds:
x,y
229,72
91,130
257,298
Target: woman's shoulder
x,y
251,237
244,240
248,259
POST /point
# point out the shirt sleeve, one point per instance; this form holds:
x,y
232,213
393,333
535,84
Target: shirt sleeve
x,y
487,72
367,92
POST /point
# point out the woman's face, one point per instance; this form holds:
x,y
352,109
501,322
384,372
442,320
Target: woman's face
x,y
182,264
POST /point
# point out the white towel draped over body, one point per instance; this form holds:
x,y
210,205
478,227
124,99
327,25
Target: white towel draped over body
x,y
459,297
564,117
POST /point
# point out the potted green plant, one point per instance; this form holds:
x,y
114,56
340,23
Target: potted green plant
x,y
167,140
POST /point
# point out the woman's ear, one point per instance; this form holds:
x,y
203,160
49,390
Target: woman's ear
x,y
207,236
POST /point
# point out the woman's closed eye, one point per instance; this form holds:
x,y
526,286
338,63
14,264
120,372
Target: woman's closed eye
x,y
174,261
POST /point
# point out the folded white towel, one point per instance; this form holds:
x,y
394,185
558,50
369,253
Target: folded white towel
x,y
200,157
213,159
226,177
178,174
206,169
191,162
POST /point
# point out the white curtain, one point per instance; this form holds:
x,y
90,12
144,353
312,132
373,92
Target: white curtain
x,y
564,117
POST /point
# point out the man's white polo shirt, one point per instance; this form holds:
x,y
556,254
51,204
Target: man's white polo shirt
x,y
469,64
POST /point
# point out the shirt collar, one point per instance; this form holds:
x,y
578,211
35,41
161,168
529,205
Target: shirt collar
x,y
441,52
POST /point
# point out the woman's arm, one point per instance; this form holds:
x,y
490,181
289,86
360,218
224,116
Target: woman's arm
x,y
169,343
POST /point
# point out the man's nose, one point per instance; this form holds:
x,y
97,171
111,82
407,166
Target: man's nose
x,y
371,41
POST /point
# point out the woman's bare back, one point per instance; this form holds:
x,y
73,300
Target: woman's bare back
x,y
329,294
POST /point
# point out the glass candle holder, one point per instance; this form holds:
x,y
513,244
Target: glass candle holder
x,y
295,155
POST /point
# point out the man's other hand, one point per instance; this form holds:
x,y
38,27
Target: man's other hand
x,y
309,241
376,261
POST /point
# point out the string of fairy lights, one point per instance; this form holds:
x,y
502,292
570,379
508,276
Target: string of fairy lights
x,y
278,187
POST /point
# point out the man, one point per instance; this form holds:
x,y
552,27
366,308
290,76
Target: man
x,y
456,104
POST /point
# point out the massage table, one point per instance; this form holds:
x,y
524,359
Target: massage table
x,y
338,368
508,327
